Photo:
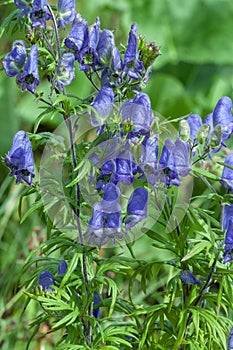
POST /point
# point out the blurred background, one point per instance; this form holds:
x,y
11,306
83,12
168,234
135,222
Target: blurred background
x,y
193,72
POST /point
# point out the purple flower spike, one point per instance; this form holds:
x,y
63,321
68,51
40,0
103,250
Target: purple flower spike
x,y
46,280
65,70
227,174
20,158
228,253
62,267
137,207
30,76
230,340
103,105
137,112
222,116
78,34
132,65
15,60
23,5
195,122
66,12
39,13
188,278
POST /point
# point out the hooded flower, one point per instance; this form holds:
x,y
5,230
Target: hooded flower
x,y
62,267
39,13
174,162
102,105
20,158
88,56
105,47
230,341
228,253
46,280
78,34
195,122
137,114
15,60
66,12
23,5
30,76
188,278
96,310
105,223
227,174
65,70
222,116
132,64
136,208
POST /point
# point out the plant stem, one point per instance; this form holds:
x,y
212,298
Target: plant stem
x,y
56,31
78,222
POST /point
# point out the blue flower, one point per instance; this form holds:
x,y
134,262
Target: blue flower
x,y
188,278
227,214
228,253
136,208
174,162
102,105
227,174
222,116
66,12
96,310
105,47
138,114
230,340
227,224
39,13
150,150
15,60
78,34
20,158
132,64
24,5
195,122
62,267
46,280
88,56
65,70
30,76
105,223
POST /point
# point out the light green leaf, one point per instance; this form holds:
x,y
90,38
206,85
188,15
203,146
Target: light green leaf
x,y
197,249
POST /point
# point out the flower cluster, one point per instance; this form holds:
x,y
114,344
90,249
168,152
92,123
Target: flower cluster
x,y
94,50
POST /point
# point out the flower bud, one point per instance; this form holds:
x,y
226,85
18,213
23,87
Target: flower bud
x,y
184,130
147,52
216,136
203,133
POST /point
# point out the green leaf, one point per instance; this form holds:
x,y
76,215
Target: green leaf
x,y
35,206
197,249
205,173
7,21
